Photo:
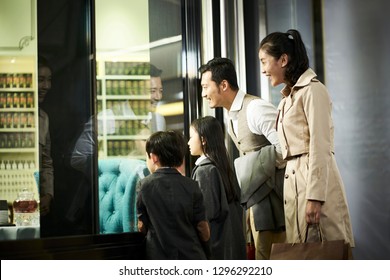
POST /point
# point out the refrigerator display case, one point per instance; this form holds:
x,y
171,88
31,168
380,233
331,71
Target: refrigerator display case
x,y
18,127
123,105
19,131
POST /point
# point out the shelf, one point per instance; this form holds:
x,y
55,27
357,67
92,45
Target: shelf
x,y
17,171
16,90
125,97
124,137
124,118
142,157
123,77
17,130
126,101
17,150
27,110
19,137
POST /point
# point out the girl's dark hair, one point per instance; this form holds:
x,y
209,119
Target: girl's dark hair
x,y
210,130
221,69
290,43
169,146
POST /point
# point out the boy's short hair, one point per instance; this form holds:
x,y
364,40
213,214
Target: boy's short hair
x,y
169,146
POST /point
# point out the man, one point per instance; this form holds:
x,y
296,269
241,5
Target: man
x,y
156,121
252,128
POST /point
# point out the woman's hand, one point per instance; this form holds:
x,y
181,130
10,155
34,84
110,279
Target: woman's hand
x,y
313,211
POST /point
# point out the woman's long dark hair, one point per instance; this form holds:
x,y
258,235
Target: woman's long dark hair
x,y
277,43
210,131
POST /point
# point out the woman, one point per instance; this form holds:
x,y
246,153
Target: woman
x,y
313,190
46,170
219,186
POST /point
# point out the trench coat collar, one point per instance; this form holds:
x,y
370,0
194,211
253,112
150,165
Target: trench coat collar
x,y
303,81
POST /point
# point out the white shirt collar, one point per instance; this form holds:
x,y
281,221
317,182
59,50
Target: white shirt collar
x,y
200,159
238,101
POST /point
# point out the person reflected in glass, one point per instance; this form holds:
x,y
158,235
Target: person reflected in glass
x,y
220,189
156,121
46,171
314,190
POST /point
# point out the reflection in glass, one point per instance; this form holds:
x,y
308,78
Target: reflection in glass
x,y
18,121
139,89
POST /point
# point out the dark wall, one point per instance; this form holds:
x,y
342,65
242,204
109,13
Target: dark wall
x,y
64,39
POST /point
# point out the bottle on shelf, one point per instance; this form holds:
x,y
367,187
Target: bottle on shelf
x,y
25,209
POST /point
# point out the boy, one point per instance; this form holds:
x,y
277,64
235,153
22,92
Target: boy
x,y
170,206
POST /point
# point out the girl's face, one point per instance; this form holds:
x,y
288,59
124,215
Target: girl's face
x,y
273,68
195,143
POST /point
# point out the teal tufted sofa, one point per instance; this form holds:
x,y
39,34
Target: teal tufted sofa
x,y
118,178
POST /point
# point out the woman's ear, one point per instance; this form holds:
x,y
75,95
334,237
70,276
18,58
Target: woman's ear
x,y
284,59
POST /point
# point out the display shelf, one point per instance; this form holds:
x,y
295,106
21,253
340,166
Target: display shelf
x,y
17,150
123,108
13,181
19,142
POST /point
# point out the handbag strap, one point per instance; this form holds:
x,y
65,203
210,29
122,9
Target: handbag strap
x,y
318,231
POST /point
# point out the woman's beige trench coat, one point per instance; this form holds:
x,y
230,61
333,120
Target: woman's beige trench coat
x,y
305,130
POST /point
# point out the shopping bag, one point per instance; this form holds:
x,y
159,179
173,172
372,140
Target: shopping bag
x,y
250,251
322,250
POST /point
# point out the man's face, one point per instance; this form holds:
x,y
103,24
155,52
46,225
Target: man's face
x,y
211,91
156,90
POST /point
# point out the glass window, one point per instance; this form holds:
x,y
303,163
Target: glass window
x,y
19,134
139,91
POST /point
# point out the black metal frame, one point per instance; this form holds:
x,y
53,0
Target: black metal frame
x,y
191,30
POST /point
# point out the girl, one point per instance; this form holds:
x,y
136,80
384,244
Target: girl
x,y
219,186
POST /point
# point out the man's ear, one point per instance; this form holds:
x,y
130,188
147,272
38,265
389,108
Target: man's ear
x,y
224,85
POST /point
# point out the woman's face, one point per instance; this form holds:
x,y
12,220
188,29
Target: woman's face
x,y
44,82
195,143
273,68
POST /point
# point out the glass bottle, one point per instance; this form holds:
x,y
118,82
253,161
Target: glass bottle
x,y
25,209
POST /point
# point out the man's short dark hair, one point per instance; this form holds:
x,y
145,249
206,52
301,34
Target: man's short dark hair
x,y
154,71
221,69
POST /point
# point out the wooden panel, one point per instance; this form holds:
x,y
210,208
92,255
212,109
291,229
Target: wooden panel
x,y
124,246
